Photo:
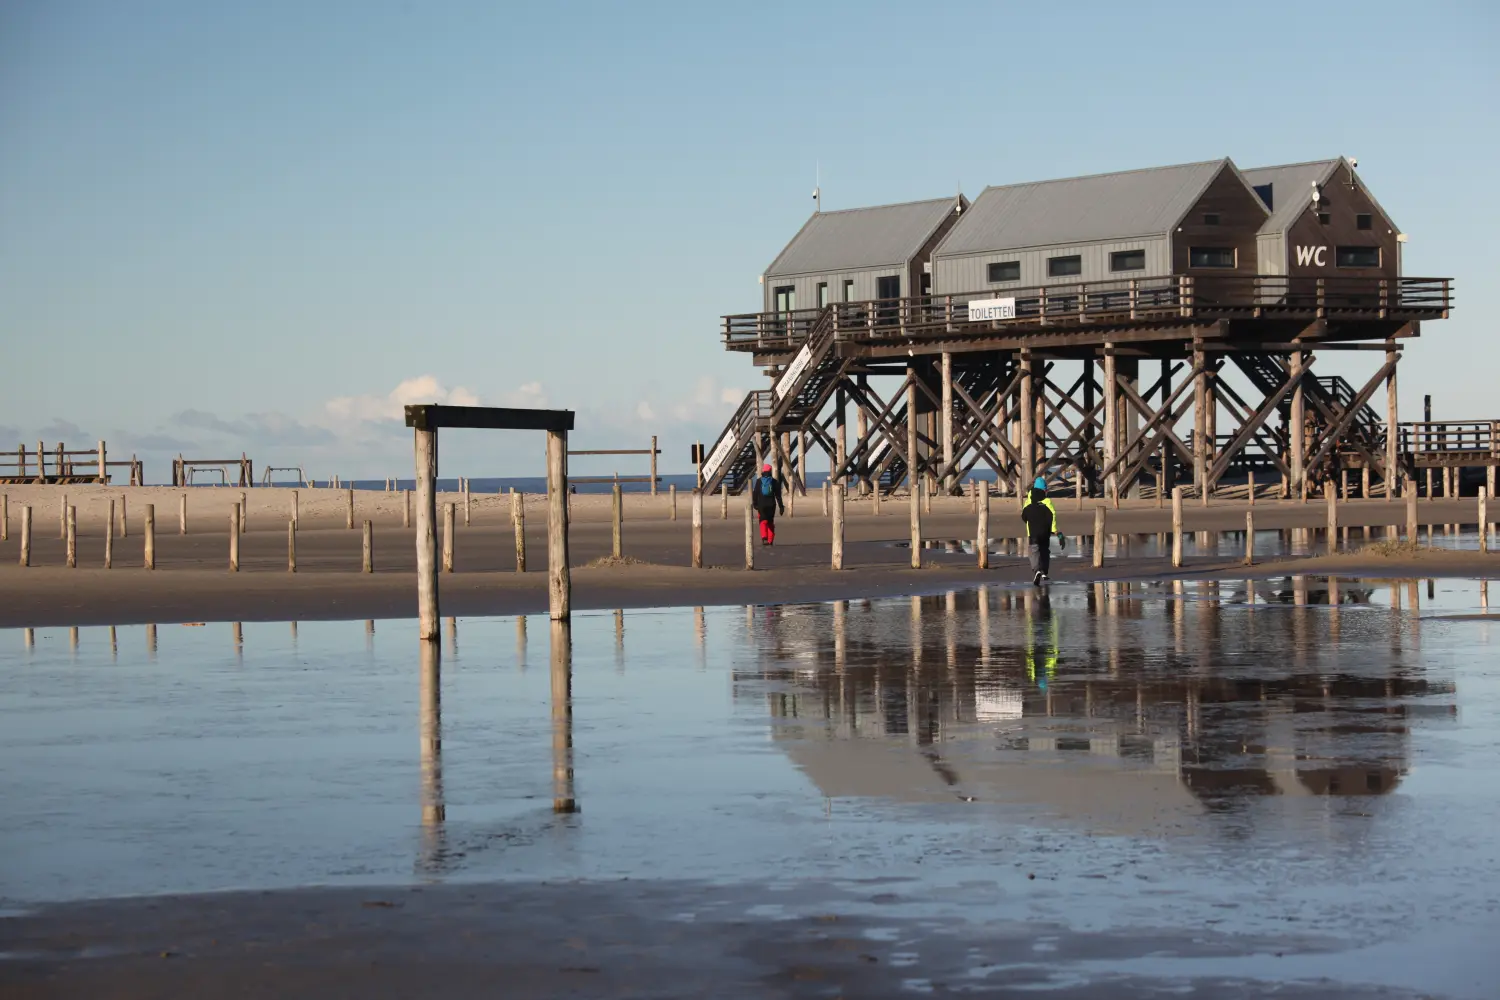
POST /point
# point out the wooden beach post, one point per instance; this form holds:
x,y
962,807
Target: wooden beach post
x,y
1484,519
369,547
406,508
697,529
449,511
26,535
518,525
654,453
182,513
672,494
1249,537
837,554
617,522
749,532
1250,488
5,516
296,511
244,512
426,449
1411,512
62,517
724,502
564,796
1330,494
349,507
71,533
150,546
234,539
982,539
559,572
913,478
916,522
109,538
291,546
1099,536
1176,527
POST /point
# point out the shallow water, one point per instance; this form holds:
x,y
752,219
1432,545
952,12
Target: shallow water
x,y
1308,755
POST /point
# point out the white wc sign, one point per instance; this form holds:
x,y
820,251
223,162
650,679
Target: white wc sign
x,y
1316,256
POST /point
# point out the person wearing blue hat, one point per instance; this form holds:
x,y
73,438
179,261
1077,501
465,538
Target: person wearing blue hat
x,y
1040,518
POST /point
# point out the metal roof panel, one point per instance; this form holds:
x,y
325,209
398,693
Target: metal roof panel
x,y
882,235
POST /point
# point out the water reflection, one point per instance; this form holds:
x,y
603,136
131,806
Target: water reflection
x,y
430,743
1123,702
564,799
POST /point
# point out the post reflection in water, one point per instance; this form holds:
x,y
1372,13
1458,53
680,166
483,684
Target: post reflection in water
x,y
521,643
619,640
28,638
564,799
151,641
700,630
430,741
1101,705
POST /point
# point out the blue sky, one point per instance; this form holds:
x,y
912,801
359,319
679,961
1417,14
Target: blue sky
x,y
262,226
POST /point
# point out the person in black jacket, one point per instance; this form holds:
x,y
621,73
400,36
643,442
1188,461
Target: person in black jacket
x,y
1040,518
766,493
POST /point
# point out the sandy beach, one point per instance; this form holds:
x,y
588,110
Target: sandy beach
x,y
192,582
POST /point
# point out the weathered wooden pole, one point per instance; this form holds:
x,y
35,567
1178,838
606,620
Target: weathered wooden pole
x,y
1296,437
1200,425
518,525
672,497
874,497
1098,536
826,484
349,508
1330,494
1250,488
5,516
244,512
749,535
1176,527
836,556
369,547
1028,422
291,546
1411,512
1078,490
947,418
182,514
1111,484
468,503
450,511
724,500
150,546
234,539
1484,519
406,508
26,535
1249,537
102,465
982,539
697,529
564,796
1343,484
425,446
62,517
109,538
71,533
617,522
1392,426
559,571
653,465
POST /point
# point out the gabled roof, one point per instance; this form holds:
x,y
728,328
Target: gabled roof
x,y
884,235
1291,189
1126,205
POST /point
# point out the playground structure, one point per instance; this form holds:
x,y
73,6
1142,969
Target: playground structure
x,y
184,470
1116,335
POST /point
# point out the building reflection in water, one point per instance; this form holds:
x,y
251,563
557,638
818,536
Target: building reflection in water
x,y
564,799
430,739
1121,703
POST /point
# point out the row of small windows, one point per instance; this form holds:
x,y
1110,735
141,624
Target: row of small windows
x,y
1062,267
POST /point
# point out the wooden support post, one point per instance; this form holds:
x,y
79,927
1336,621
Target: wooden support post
x,y
103,475
5,516
837,554
1249,537
1099,536
368,561
1176,527
406,508
749,533
949,482
1077,488
349,508
724,501
1484,519
982,539
234,539
1028,422
425,447
1392,428
26,535
874,499
450,512
1364,483
841,433
672,496
62,515
181,514
1330,495
244,512
617,523
518,527
109,538
70,532
1344,484
1111,424
1411,512
1250,488
564,794
291,546
1296,433
927,496
697,529
916,523
150,540
653,465
826,484
1200,425
559,569
468,503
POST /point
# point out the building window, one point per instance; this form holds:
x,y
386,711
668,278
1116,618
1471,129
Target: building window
x,y
1211,257
822,294
1322,218
848,289
786,298
1210,218
1364,221
1005,270
1357,257
1127,260
1062,267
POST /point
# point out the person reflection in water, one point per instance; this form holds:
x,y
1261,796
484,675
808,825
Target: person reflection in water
x,y
1041,642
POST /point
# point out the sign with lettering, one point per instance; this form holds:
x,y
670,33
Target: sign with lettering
x,y
720,453
1316,256
793,372
981,310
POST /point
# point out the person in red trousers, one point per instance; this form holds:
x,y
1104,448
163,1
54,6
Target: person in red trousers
x,y
766,493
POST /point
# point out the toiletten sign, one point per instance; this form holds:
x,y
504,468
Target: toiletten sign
x,y
982,310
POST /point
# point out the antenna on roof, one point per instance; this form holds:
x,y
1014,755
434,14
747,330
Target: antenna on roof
x,y
958,209
817,187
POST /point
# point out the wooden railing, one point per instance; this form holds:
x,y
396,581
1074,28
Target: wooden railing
x,y
64,464
1137,300
1449,439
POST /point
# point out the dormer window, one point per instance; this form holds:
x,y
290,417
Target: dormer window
x,y
1210,218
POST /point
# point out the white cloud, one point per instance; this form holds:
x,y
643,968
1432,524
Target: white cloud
x,y
391,406
708,402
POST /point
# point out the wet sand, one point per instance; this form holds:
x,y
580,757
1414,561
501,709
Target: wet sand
x,y
192,583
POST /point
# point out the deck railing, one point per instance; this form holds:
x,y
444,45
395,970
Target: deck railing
x,y
1441,439
1061,305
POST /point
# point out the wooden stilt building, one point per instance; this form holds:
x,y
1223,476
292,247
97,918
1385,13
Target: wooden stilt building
x,y
1133,330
